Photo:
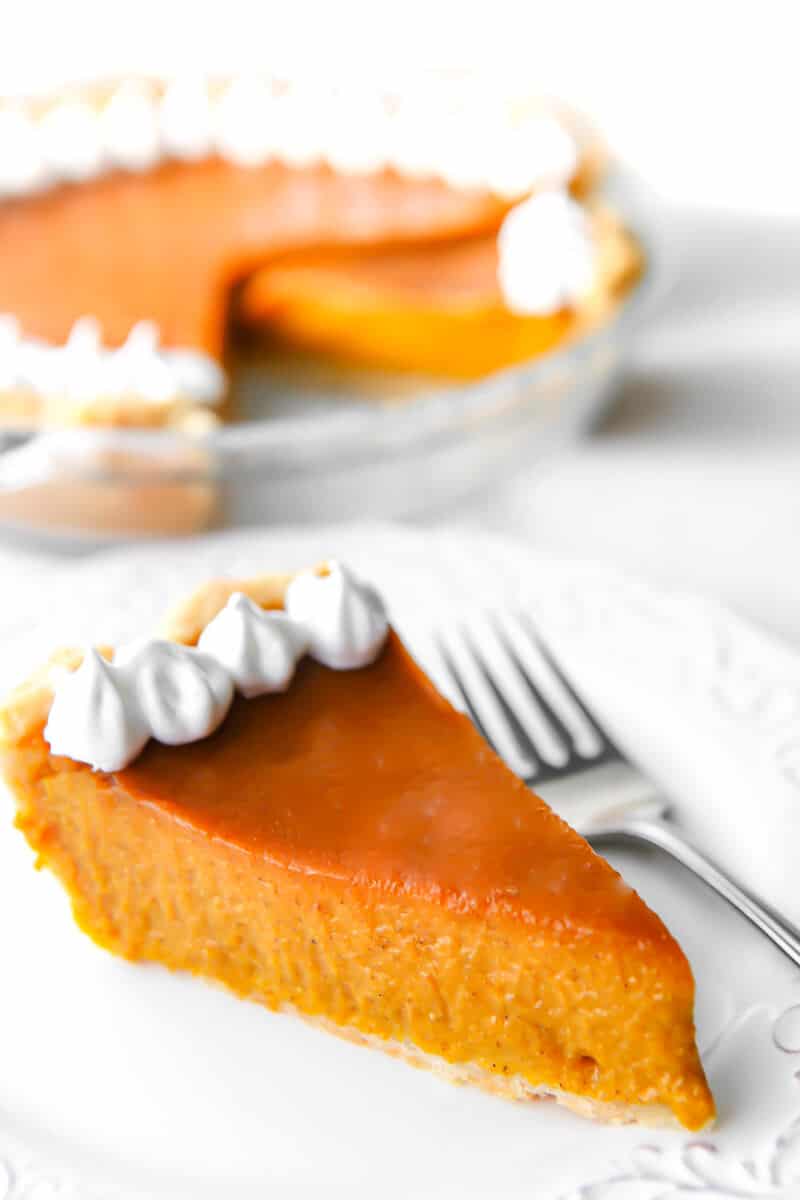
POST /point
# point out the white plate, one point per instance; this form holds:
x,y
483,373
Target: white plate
x,y
120,1080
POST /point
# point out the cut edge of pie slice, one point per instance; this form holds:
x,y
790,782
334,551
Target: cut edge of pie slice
x,y
323,853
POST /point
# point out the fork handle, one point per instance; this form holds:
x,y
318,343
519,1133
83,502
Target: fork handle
x,y
783,933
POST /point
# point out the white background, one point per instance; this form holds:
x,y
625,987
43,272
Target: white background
x,y
695,477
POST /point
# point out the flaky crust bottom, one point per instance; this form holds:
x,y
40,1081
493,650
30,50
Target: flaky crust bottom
x,y
515,1087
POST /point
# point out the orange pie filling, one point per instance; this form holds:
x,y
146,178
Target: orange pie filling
x,y
352,850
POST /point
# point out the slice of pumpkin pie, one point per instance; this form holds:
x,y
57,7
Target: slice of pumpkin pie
x,y
275,796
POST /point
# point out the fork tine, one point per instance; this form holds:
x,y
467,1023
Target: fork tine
x,y
525,745
607,745
462,689
561,730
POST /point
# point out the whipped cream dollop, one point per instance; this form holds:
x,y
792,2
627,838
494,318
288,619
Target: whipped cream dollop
x,y
345,619
536,151
104,713
23,168
546,254
95,718
186,119
243,130
130,129
70,140
182,693
260,648
468,135
83,370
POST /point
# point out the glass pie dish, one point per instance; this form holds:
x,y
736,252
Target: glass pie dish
x,y
320,441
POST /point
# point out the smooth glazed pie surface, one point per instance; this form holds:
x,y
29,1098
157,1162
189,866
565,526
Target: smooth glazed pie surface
x,y
378,783
353,850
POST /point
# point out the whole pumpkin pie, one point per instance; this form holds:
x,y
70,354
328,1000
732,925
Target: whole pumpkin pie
x,y
338,841
142,225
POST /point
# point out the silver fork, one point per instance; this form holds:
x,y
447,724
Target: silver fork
x,y
550,737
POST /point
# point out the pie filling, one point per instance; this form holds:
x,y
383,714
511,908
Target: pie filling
x,y
350,848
